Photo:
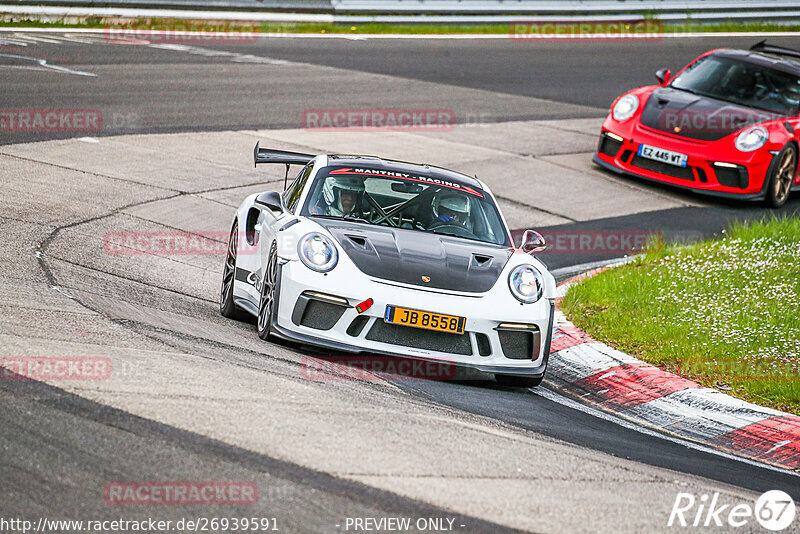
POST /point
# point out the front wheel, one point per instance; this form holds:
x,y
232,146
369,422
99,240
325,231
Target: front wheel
x,y
226,305
781,177
266,305
516,381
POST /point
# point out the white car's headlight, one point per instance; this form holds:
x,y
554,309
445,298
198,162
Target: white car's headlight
x,y
625,108
752,139
317,252
526,283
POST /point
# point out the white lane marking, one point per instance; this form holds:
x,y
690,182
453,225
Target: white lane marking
x,y
25,38
88,139
37,39
234,56
81,40
24,67
62,291
43,64
569,403
360,36
12,42
129,42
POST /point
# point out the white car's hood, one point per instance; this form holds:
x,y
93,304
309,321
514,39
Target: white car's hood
x,y
420,258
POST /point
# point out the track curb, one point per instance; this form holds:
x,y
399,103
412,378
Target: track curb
x,y
618,383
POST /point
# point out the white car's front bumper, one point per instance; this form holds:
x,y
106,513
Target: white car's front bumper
x,y
493,326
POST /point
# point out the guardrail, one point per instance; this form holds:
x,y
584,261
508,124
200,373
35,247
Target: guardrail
x,y
557,6
428,11
243,5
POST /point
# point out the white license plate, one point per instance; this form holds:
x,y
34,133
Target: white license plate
x,y
665,156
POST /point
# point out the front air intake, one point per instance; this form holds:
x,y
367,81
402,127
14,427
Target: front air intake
x,y
420,339
609,146
519,342
317,313
731,177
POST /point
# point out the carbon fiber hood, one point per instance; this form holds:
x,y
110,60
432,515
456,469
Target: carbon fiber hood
x,y
697,117
408,256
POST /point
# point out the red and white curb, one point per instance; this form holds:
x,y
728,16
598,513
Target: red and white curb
x,y
632,389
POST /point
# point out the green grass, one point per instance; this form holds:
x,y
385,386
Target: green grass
x,y
367,28
725,313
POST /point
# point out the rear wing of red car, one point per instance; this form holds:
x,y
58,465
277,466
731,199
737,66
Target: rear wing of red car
x,y
762,46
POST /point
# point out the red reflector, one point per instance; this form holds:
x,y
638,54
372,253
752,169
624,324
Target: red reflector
x,y
364,306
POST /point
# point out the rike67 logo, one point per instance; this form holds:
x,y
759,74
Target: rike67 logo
x,y
774,510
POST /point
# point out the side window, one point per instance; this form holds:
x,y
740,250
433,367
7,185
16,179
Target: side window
x,y
295,191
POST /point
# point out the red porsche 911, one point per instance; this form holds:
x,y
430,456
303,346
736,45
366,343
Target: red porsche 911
x,y
728,124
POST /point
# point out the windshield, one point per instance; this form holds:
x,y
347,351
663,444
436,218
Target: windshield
x,y
742,83
401,200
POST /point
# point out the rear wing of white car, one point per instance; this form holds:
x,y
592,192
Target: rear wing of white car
x,y
268,155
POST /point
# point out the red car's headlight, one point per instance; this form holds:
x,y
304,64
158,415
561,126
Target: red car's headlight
x,y
625,108
752,139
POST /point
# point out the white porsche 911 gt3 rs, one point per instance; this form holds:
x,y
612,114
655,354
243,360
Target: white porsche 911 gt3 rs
x,y
362,254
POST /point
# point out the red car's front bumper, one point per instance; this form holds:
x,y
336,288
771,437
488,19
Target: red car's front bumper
x,y
713,167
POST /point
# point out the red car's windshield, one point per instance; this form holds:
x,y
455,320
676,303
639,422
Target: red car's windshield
x,y
742,83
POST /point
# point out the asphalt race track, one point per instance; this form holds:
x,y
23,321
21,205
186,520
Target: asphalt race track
x,y
176,86
196,397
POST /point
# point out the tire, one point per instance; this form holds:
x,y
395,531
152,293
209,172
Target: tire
x,y
226,306
516,381
780,178
266,305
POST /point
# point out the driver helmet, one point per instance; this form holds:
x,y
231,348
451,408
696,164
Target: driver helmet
x,y
742,80
451,208
337,186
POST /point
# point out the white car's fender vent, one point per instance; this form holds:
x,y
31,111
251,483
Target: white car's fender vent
x,y
420,339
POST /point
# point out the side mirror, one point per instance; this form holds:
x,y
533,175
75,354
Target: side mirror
x,y
663,76
532,241
271,200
